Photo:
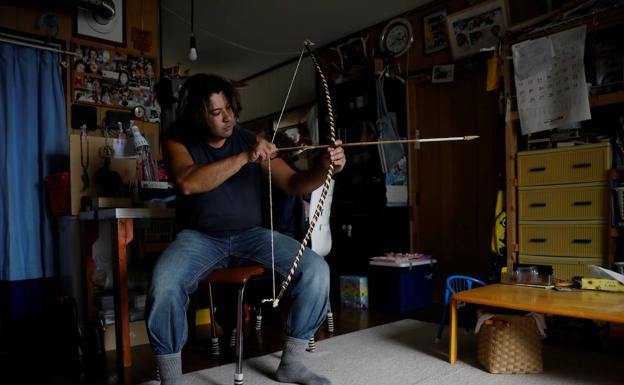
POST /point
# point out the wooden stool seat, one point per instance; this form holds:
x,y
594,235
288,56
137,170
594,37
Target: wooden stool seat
x,y
234,275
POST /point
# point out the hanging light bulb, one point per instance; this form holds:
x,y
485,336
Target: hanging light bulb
x,y
193,51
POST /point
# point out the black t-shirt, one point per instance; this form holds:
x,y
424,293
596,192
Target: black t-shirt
x,y
236,203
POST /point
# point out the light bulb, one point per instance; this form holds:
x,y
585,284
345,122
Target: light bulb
x,y
193,52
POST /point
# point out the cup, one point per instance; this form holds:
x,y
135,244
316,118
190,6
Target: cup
x,y
618,267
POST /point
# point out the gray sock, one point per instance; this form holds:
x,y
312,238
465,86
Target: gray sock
x,y
170,368
291,368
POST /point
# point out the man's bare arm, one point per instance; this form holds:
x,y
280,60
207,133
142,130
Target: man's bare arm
x,y
191,178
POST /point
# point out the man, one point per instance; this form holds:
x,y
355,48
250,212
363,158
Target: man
x,y
217,167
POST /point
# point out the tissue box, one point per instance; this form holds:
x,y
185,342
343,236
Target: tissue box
x,y
354,291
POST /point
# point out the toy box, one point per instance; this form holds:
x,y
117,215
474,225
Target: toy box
x,y
354,291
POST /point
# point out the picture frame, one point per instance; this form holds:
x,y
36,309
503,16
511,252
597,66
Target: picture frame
x,y
477,27
112,32
434,32
443,73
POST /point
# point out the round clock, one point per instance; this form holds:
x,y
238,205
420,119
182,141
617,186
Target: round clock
x,y
139,112
396,37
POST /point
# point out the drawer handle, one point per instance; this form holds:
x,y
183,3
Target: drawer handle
x,y
583,203
581,165
537,205
537,240
537,169
584,241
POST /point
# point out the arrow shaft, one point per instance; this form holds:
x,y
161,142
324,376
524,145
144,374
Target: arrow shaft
x,y
376,142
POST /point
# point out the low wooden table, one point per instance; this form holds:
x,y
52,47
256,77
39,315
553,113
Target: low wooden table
x,y
595,305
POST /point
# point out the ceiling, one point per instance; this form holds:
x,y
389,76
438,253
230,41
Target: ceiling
x,y
238,39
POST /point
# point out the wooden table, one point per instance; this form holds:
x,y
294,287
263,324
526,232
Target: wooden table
x,y
122,235
595,305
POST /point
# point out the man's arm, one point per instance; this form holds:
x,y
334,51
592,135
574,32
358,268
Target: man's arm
x,y
191,178
303,182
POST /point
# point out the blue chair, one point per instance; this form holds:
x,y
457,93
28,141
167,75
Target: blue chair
x,y
454,284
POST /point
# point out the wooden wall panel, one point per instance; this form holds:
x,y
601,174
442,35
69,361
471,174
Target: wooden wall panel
x,y
455,183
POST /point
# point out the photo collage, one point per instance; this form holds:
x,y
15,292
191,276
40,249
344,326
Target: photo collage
x,y
111,77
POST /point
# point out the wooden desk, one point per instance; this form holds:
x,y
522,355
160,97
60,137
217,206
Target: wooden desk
x,y
595,305
122,235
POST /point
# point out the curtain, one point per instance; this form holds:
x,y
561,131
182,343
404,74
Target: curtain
x,y
33,136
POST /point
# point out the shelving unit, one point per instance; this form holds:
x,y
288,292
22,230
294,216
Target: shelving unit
x,y
512,125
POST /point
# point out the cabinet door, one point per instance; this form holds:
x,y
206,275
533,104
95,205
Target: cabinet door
x,y
453,185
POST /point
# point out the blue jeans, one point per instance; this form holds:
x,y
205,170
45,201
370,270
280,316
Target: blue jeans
x,y
193,255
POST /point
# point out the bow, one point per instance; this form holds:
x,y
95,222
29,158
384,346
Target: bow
x,y
326,183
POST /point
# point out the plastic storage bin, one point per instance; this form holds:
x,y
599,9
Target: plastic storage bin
x,y
400,287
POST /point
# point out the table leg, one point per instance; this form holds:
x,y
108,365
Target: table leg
x,y
122,236
90,235
453,342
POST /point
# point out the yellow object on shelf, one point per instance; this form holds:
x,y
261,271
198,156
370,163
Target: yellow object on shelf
x,y
602,284
202,324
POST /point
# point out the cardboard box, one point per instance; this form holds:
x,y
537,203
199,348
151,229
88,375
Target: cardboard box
x,y
354,291
401,287
138,335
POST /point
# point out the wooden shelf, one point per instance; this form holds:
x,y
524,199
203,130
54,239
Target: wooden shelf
x,y
594,101
604,20
606,99
616,232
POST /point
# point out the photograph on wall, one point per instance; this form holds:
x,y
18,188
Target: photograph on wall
x,y
443,73
434,32
477,27
110,77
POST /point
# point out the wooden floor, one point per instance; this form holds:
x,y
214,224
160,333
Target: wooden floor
x,y
198,356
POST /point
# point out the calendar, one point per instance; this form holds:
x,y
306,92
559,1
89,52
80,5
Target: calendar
x,y
551,89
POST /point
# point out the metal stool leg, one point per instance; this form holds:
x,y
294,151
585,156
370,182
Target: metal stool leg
x,y
259,318
330,318
213,324
238,374
311,345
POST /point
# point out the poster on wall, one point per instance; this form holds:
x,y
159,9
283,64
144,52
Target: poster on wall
x,y
110,77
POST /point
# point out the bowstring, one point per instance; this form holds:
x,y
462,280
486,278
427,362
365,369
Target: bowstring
x,y
279,120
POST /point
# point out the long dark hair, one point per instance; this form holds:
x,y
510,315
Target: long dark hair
x,y
190,125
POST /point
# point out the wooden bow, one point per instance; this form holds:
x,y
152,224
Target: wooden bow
x,y
326,183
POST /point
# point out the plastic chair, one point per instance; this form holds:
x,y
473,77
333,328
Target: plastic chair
x,y
321,243
454,284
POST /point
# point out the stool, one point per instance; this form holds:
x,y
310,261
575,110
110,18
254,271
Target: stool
x,y
238,276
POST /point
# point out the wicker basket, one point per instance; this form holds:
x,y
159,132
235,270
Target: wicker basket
x,y
510,344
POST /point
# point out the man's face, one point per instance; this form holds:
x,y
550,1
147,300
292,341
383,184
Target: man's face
x,y
219,116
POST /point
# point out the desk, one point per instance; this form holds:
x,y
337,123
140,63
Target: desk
x,y
123,233
595,305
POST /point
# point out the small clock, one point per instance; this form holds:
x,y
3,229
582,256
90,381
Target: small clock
x,y
139,112
396,37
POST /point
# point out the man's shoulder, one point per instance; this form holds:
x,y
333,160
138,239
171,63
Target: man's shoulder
x,y
247,136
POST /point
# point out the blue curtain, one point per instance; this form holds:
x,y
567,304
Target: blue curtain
x,y
33,135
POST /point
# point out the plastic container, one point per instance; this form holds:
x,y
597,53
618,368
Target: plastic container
x,y
59,193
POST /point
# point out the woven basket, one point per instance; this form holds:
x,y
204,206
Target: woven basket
x,y
510,344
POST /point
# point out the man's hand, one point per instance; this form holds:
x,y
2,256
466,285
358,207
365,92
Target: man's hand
x,y
262,150
335,154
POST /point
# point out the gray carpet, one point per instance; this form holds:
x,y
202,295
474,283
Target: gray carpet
x,y
403,353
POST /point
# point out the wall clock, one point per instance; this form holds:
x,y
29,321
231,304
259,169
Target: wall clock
x,y
139,112
396,37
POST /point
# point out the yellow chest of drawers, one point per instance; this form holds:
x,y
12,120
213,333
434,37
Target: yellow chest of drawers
x,y
563,207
